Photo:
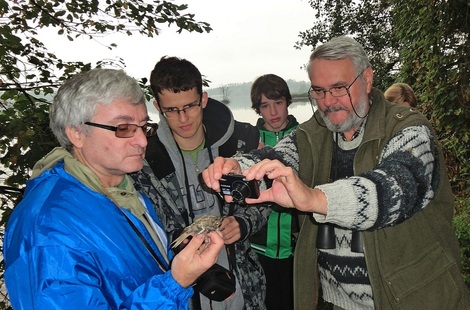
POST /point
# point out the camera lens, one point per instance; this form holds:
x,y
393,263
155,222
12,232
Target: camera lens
x,y
240,190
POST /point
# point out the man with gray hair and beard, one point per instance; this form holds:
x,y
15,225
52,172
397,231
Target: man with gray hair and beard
x,y
370,178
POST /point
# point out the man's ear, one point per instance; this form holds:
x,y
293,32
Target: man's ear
x,y
156,105
204,99
75,136
368,77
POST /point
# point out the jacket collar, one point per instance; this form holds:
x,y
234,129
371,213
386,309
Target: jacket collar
x,y
375,127
291,122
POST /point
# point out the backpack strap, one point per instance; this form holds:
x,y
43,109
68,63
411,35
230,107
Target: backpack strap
x,y
158,158
245,138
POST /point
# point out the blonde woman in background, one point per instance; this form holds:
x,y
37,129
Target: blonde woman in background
x,y
401,93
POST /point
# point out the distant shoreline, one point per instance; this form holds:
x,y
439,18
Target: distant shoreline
x,y
299,97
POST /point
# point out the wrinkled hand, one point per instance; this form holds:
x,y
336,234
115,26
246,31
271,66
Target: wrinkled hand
x,y
287,189
230,230
198,255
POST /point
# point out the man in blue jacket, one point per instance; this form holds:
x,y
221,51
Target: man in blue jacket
x,y
83,237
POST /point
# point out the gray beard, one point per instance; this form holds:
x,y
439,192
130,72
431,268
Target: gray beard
x,y
353,119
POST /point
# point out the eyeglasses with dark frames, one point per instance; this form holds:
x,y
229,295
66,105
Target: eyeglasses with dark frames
x,y
127,130
337,91
175,112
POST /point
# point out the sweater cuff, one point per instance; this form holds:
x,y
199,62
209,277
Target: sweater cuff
x,y
243,228
344,206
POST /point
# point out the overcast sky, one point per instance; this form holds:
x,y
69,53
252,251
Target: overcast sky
x,y
249,38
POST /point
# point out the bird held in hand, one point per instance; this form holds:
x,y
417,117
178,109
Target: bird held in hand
x,y
204,224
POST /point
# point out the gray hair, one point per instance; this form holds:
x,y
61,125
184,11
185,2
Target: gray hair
x,y
76,100
342,47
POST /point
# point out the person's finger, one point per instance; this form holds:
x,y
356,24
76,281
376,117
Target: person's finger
x,y
216,243
231,166
208,177
217,168
225,222
194,244
259,170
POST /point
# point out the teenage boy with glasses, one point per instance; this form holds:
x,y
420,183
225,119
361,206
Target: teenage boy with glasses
x,y
194,130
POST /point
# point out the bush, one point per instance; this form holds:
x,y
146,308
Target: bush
x,y
9,196
461,224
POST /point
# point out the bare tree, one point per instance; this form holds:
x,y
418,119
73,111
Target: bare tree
x,y
225,93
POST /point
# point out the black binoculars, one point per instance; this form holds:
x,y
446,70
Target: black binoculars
x,y
326,238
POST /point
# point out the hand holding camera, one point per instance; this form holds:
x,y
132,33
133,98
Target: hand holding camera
x,y
238,187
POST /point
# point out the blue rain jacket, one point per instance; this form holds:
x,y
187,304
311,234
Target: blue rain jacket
x,y
68,247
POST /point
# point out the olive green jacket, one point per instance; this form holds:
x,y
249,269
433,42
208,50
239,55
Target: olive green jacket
x,y
412,265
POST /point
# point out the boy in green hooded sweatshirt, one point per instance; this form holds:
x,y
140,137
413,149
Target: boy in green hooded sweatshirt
x,y
274,243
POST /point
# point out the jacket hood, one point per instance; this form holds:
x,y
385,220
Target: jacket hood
x,y
219,122
54,156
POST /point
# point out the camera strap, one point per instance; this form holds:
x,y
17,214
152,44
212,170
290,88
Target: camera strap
x,y
146,243
163,265
195,299
187,188
230,249
188,192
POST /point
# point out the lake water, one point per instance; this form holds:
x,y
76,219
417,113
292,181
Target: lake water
x,y
242,111
301,110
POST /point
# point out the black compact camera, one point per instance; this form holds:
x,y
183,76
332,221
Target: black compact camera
x,y
238,187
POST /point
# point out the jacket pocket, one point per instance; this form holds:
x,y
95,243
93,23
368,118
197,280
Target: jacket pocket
x,y
429,282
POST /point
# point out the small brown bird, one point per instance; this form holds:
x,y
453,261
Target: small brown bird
x,y
204,224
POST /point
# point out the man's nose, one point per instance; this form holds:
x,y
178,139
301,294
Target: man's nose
x,y
329,99
140,138
182,115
